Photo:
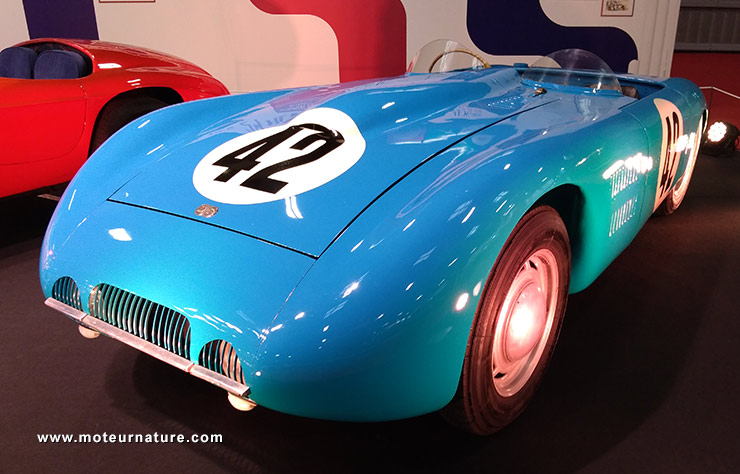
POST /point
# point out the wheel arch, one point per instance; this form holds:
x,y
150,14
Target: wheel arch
x,y
568,200
165,94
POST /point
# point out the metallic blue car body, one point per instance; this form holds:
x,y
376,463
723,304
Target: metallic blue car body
x,y
355,302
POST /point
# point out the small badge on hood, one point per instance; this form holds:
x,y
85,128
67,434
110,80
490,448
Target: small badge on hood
x,y
205,210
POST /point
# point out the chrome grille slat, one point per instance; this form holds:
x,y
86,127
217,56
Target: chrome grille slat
x,y
104,303
95,298
160,316
66,291
143,318
178,336
108,297
154,321
221,357
133,308
121,310
132,315
157,331
130,318
167,330
140,304
115,309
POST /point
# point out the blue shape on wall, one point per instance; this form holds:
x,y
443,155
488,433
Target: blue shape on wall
x,y
67,19
521,28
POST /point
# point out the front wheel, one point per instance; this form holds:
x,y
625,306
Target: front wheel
x,y
119,112
516,325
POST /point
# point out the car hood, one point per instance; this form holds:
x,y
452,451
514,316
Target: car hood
x,y
296,169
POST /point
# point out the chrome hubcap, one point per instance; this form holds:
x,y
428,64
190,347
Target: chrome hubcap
x,y
524,324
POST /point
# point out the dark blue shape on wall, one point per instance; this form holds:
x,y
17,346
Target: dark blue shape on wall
x,y
56,19
521,28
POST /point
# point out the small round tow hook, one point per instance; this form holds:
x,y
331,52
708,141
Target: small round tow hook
x,y
88,333
241,404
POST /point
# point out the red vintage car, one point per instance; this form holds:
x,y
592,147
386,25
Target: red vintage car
x,y
60,99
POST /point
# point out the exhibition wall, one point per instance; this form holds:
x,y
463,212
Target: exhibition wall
x,y
267,44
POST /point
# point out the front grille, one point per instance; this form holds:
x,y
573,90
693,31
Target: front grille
x,y
141,317
219,356
65,290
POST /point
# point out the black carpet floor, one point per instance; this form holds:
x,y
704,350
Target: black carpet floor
x,y
645,378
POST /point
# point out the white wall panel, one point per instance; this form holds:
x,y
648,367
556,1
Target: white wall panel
x,y
12,23
652,26
242,46
248,49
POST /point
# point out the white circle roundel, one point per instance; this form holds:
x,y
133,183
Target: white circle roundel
x,y
274,163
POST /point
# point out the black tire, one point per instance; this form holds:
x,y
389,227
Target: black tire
x,y
120,112
488,399
668,206
677,193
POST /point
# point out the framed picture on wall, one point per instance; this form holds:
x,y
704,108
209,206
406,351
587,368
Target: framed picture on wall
x,y
617,7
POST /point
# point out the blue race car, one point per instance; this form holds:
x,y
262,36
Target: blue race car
x,y
372,250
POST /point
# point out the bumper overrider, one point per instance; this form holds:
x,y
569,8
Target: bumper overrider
x,y
164,285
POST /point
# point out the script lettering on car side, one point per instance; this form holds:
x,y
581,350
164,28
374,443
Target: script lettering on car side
x,y
274,163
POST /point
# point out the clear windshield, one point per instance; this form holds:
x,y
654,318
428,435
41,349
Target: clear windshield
x,y
445,56
571,68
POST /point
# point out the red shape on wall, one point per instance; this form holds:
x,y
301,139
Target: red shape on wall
x,y
371,34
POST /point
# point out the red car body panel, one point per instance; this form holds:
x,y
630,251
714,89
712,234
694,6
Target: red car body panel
x,y
46,125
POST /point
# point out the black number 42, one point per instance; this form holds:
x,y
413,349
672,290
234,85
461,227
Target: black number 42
x,y
247,157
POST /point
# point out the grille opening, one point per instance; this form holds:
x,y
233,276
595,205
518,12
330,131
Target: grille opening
x,y
65,290
141,317
220,356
